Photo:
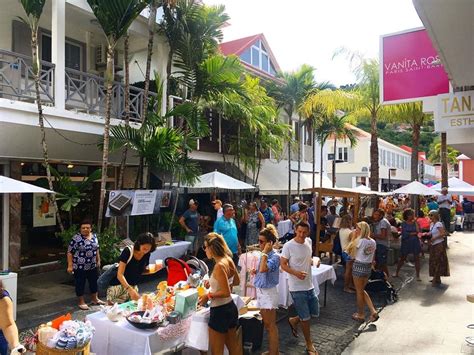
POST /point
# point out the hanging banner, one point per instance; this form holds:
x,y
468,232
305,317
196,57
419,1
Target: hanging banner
x,y
410,68
455,111
44,213
135,202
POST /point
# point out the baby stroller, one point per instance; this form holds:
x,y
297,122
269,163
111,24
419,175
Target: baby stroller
x,y
177,270
197,265
381,288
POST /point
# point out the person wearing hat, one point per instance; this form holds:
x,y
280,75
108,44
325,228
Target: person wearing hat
x,y
226,227
190,222
444,202
218,207
295,207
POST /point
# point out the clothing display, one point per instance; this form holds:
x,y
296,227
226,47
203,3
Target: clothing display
x,y
248,262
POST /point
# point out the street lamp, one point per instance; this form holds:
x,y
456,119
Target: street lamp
x,y
390,171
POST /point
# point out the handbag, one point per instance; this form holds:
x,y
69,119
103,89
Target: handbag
x,y
104,279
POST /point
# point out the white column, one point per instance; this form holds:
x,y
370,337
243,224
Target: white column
x,y
6,224
58,38
302,143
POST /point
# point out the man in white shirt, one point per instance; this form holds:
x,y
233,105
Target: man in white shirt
x,y
218,207
444,204
296,260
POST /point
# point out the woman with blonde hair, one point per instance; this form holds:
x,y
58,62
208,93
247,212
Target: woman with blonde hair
x,y
439,265
346,233
361,270
224,316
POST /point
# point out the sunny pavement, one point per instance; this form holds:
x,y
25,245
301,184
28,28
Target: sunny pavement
x,y
427,320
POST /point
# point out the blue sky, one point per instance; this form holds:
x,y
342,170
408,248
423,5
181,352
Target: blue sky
x,y
309,31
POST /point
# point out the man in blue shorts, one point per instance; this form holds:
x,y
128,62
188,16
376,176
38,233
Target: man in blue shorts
x,y
296,259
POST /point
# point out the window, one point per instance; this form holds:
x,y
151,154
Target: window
x,y
393,160
255,57
264,62
342,154
245,56
73,52
383,157
389,159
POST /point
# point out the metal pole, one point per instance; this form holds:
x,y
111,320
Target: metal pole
x,y
389,187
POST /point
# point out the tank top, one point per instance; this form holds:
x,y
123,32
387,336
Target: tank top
x,y
3,340
214,287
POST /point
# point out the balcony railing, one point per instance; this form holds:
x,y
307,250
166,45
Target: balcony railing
x,y
17,80
84,92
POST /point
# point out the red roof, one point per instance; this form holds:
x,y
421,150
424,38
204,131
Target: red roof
x,y
238,46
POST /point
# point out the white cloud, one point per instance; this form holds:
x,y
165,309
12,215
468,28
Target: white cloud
x,y
309,31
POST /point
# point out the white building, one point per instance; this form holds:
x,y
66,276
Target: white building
x,y
353,164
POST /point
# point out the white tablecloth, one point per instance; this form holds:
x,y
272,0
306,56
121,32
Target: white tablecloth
x,y
123,338
176,250
319,275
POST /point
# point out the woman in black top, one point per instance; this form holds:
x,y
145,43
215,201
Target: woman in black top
x,y
124,287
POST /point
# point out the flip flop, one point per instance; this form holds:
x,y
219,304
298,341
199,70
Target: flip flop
x,y
356,317
99,303
374,318
293,329
84,307
311,352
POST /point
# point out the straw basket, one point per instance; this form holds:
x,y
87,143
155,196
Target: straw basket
x,y
44,350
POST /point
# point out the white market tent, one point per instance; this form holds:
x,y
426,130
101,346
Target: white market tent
x,y
219,181
416,188
362,188
456,186
12,186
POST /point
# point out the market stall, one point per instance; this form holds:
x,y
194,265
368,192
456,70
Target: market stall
x,y
175,250
121,337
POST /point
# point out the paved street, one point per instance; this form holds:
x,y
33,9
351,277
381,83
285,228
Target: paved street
x,y
427,320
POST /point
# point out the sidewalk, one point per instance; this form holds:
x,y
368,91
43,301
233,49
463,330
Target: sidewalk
x,y
427,320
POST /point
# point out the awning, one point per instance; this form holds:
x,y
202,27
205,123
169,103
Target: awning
x,y
416,188
219,181
456,186
273,178
12,186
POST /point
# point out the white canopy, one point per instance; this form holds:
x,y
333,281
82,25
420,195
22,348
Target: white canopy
x,y
362,188
416,188
217,180
456,186
11,186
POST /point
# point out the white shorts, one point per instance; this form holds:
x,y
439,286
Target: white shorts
x,y
267,298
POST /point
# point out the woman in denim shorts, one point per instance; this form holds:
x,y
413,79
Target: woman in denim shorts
x,y
363,247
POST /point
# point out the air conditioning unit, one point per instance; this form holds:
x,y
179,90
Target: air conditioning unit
x,y
101,58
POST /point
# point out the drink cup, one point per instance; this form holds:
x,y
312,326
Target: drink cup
x,y
152,267
316,261
159,264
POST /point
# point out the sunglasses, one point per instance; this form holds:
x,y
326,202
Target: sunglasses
x,y
261,241
204,247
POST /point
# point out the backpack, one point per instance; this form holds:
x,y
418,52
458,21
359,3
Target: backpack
x,y
177,270
378,285
104,279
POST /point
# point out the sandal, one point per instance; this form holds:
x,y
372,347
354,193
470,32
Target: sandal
x,y
348,290
293,329
311,352
84,307
98,303
356,317
374,318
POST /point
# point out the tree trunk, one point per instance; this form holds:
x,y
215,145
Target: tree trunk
x,y
289,175
334,164
238,148
259,165
109,77
374,154
444,160
300,140
414,152
151,36
321,165
127,106
36,73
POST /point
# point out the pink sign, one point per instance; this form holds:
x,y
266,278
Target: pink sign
x,y
411,68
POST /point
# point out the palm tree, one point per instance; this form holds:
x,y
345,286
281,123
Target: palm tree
x,y
320,106
444,160
368,102
289,96
34,10
126,99
412,114
435,153
115,17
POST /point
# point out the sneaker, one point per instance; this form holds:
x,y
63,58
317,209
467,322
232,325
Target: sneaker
x,y
410,264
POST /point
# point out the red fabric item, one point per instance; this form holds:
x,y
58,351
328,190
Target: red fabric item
x,y
56,323
177,269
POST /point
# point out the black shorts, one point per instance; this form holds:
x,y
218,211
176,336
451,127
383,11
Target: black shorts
x,y
224,317
381,254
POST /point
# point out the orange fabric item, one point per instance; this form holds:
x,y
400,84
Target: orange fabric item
x,y
56,323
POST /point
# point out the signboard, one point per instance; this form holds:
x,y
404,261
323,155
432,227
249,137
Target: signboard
x,y
44,213
137,202
455,111
410,68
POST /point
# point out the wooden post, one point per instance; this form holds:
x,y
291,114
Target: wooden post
x,y
317,220
356,208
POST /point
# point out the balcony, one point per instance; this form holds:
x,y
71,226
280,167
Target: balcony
x,y
84,92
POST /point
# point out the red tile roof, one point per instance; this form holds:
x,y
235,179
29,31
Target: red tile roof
x,y
237,46
421,155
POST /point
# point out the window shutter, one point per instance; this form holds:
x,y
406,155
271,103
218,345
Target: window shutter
x,y
350,153
21,38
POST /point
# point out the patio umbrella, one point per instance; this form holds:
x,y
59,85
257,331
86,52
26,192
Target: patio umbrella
x,y
456,186
12,186
416,188
217,180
